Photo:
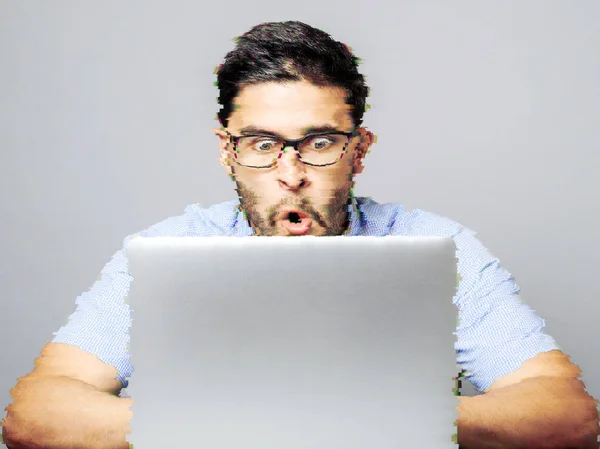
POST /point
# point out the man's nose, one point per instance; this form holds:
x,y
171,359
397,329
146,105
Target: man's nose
x,y
292,172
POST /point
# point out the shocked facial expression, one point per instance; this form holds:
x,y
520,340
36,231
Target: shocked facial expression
x,y
293,151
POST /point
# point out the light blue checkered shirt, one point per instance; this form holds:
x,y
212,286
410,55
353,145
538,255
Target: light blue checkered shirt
x,y
496,331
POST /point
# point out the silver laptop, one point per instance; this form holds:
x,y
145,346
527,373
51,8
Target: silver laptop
x,y
285,343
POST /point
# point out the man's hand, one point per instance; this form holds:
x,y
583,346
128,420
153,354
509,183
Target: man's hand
x,y
542,405
67,402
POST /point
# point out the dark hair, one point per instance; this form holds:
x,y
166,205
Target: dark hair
x,y
290,51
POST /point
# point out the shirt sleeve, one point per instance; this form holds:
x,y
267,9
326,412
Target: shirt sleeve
x,y
101,321
100,324
496,332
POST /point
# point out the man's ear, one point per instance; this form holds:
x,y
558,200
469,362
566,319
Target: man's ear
x,y
224,152
367,138
223,138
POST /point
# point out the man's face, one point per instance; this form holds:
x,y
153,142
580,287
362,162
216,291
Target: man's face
x,y
317,197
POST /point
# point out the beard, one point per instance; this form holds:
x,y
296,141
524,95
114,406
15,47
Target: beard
x,y
334,221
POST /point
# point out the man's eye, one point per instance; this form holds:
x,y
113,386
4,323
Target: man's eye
x,y
321,143
265,145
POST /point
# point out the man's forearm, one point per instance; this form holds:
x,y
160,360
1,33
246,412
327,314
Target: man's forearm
x,y
540,413
61,413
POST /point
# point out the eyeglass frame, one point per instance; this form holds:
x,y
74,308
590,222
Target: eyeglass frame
x,y
294,143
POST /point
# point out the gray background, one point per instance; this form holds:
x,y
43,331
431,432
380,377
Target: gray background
x,y
485,113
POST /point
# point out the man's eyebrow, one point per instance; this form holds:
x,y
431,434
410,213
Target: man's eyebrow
x,y
321,129
309,130
255,130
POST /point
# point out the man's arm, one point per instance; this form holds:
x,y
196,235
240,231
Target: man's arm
x,y
69,400
542,405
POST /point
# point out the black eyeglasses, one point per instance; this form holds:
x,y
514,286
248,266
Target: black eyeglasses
x,y
263,151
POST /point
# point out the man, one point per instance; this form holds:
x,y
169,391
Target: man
x,y
292,140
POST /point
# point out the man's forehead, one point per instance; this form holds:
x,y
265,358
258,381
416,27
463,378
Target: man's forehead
x,y
294,96
299,110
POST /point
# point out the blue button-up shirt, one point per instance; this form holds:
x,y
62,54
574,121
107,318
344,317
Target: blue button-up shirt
x,y
496,332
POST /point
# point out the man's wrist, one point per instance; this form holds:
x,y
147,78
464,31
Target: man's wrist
x,y
539,413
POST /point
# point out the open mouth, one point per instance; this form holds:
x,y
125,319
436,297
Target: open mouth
x,y
294,217
296,222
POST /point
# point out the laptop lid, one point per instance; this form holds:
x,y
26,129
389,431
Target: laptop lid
x,y
275,342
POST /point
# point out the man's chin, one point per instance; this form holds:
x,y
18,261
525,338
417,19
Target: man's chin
x,y
282,231
286,233
312,231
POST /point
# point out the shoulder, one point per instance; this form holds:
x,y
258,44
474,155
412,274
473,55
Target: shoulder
x,y
195,220
401,221
473,257
217,219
